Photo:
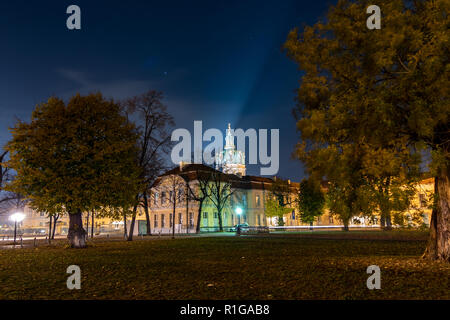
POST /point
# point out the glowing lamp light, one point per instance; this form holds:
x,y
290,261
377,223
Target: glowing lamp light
x,y
238,210
17,217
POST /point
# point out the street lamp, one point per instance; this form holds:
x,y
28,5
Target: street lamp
x,y
16,217
238,211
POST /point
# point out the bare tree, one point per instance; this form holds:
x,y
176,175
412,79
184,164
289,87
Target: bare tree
x,y
8,200
176,192
5,176
4,173
53,220
283,198
199,191
173,185
219,191
153,123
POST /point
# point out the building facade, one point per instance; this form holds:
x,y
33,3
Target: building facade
x,y
174,204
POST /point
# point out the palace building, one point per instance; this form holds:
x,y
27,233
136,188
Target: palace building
x,y
179,190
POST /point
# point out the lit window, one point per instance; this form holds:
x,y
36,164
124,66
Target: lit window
x,y
258,201
191,219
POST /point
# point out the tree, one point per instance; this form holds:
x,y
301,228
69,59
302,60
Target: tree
x,y
219,192
360,85
53,220
76,157
199,191
274,209
176,186
5,176
311,201
153,123
8,200
392,177
280,200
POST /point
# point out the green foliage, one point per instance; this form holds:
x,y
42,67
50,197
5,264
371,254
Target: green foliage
x,y
311,201
415,216
75,157
273,208
393,82
279,201
412,219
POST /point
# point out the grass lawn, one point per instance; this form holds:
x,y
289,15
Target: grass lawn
x,y
296,266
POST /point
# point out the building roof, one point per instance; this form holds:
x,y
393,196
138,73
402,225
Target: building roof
x,y
192,171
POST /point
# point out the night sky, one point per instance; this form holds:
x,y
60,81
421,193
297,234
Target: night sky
x,y
216,61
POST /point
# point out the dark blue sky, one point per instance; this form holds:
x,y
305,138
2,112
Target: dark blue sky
x,y
216,61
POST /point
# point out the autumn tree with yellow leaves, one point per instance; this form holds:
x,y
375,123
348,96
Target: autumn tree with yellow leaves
x,y
75,157
383,92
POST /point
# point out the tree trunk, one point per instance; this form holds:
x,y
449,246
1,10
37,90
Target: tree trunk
x,y
76,235
133,220
345,228
147,215
199,216
280,221
385,207
173,216
220,221
438,247
92,225
187,209
50,227
55,220
125,225
187,222
87,225
388,221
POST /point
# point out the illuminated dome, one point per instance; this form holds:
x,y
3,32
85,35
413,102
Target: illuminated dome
x,y
230,160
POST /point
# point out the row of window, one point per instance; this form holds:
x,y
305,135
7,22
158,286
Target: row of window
x,y
160,220
179,194
162,198
180,220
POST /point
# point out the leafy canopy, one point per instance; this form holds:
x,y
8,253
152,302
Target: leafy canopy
x,y
369,100
311,201
75,157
